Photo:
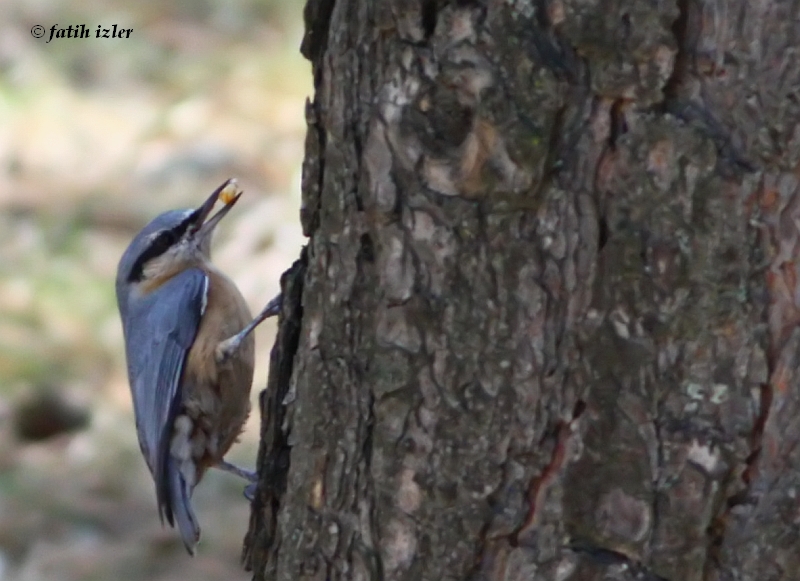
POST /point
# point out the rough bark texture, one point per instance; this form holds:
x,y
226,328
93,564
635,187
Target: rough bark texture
x,y
549,304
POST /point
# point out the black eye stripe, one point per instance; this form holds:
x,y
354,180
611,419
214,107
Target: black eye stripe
x,y
159,245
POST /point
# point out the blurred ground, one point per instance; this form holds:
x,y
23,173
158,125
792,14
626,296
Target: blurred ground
x,y
97,136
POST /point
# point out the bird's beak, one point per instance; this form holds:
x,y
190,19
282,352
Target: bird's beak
x,y
229,192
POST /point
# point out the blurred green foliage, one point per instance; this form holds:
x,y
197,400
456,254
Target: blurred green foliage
x,y
96,137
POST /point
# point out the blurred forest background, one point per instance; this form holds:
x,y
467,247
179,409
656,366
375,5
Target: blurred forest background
x,y
97,136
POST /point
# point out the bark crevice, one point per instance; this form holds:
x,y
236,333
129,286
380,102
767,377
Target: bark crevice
x,y
274,455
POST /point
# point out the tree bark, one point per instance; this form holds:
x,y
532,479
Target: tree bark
x,y
546,323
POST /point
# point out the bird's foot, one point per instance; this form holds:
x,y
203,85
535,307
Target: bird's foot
x,y
250,476
229,346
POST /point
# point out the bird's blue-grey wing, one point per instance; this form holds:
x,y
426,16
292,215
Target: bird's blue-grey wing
x,y
160,330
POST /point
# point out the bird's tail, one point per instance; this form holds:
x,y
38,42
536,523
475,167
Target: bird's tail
x,y
180,493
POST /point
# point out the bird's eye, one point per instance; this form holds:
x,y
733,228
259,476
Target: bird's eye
x,y
166,239
162,242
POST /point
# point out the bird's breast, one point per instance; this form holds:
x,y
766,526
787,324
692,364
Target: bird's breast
x,y
226,313
216,396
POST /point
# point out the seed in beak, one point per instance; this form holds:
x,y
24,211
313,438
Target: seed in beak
x,y
229,192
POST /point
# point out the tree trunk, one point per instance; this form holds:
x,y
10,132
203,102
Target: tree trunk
x,y
545,325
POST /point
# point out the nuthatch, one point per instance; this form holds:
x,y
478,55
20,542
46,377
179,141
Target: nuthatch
x,y
189,351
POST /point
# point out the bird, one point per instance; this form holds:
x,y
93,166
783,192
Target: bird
x,y
189,352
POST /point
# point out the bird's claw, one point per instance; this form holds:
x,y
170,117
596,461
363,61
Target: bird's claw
x,y
229,346
249,475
